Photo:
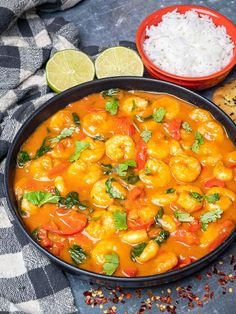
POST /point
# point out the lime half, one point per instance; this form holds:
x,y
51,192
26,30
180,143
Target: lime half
x,y
118,61
68,68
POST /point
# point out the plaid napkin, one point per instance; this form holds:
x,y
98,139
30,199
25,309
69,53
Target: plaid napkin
x,y
29,283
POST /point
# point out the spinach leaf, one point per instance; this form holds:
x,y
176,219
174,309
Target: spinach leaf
x,y
137,250
78,255
110,92
162,237
111,263
35,234
170,190
40,197
146,135
198,197
76,119
44,148
106,168
212,198
72,199
123,167
23,157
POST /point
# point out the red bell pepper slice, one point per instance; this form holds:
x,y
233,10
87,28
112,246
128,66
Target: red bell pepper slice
x,y
141,156
58,169
124,124
194,226
130,271
135,194
44,240
214,182
173,128
185,237
138,225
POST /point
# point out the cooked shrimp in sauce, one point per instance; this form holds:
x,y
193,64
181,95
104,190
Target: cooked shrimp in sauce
x,y
128,183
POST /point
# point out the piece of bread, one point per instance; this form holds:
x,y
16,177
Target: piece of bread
x,y
225,98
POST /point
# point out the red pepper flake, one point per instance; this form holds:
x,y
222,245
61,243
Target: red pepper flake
x,y
206,287
199,277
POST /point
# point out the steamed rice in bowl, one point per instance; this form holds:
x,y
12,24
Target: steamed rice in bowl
x,y
189,44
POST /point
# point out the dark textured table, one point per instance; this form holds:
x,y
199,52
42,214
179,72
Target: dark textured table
x,y
105,23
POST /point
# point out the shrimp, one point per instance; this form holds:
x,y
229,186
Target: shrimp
x,y
170,104
103,248
135,236
99,195
186,201
175,148
158,148
136,106
211,131
60,185
185,168
155,174
144,213
227,198
120,147
230,159
209,154
149,252
164,262
40,167
63,150
87,173
96,123
103,227
222,173
61,120
29,208
94,152
164,199
200,115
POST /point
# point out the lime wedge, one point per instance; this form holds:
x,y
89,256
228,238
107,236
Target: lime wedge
x,y
68,68
118,61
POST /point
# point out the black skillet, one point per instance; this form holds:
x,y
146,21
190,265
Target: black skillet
x,y
60,101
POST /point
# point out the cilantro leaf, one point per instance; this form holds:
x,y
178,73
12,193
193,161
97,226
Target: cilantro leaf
x,y
162,237
64,133
137,250
210,216
186,126
110,92
183,216
72,199
170,190
23,157
159,114
146,135
76,118
43,149
120,220
212,198
198,141
112,106
122,168
113,191
80,146
198,197
40,197
111,263
77,254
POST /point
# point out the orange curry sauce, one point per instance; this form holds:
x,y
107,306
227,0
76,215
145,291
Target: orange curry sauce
x,y
128,183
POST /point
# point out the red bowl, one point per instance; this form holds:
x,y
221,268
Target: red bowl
x,y
197,83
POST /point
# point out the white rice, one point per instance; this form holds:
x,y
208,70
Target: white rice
x,y
188,44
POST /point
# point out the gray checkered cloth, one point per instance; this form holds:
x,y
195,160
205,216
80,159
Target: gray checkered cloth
x,y
29,283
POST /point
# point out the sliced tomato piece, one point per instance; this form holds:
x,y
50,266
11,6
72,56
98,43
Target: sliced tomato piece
x,y
185,237
57,248
194,226
70,223
125,126
186,260
138,225
44,240
173,128
214,182
130,271
225,230
141,156
58,169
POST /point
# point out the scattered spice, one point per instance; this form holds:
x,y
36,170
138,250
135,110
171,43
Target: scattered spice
x,y
167,302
